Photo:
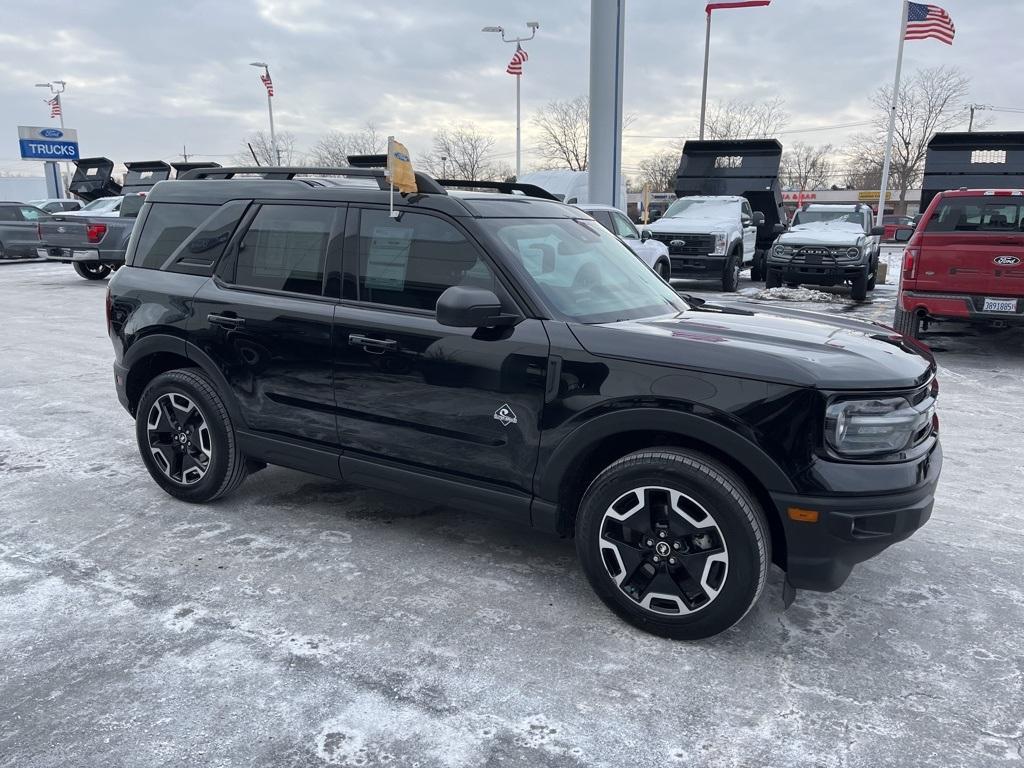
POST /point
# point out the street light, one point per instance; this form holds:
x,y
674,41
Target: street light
x,y
268,84
533,26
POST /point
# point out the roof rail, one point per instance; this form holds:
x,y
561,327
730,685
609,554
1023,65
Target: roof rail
x,y
367,161
182,168
424,183
505,187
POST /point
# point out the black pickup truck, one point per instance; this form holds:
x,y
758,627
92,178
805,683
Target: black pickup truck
x,y
95,245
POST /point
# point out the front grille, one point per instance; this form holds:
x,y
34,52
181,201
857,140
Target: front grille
x,y
693,245
816,254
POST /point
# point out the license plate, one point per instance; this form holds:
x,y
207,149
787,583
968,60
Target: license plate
x,y
1000,305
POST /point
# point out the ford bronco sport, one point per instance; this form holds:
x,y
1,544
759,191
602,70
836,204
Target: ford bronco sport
x,y
506,354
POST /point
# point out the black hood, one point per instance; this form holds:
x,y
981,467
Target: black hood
x,y
790,346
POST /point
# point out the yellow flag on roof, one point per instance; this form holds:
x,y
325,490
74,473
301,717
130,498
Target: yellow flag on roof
x,y
400,169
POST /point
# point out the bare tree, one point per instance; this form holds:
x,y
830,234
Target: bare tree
x,y
565,132
659,170
932,100
862,171
333,148
463,152
807,167
261,145
739,119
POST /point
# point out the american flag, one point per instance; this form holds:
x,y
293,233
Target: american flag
x,y
925,21
515,67
265,77
54,106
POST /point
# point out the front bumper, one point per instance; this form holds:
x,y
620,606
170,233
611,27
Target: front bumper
x,y
816,274
850,529
956,306
697,267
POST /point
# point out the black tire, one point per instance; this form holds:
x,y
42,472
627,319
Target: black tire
x,y
772,279
225,468
874,275
907,323
792,285
757,268
737,530
731,273
664,270
91,271
859,287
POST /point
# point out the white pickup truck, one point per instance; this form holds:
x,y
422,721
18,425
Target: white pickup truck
x,y
710,238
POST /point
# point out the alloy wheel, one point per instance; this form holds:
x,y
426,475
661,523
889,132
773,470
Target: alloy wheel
x,y
663,550
179,438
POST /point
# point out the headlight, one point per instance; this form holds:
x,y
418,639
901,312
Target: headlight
x,y
783,250
721,241
852,253
868,427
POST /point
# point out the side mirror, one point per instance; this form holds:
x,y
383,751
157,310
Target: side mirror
x,y
778,229
463,307
903,235
758,219
645,235
878,230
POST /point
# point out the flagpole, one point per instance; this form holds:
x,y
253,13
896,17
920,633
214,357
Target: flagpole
x,y
270,111
704,87
892,119
391,197
65,181
519,156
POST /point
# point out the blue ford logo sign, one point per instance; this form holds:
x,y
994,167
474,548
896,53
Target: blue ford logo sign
x,y
51,133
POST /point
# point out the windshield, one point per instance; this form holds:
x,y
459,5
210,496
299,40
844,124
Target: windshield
x,y
583,271
809,217
696,207
103,204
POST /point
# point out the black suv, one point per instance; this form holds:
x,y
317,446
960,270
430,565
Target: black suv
x,y
507,354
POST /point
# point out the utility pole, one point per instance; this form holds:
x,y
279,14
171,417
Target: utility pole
x,y
184,153
533,26
979,107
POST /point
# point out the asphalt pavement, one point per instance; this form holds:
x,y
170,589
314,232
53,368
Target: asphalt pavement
x,y
304,622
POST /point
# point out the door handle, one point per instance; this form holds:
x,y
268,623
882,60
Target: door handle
x,y
377,346
225,320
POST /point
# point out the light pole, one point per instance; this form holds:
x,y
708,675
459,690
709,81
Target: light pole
x,y
269,85
533,26
57,88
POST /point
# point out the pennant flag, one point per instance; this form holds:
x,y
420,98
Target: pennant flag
x,y
400,167
924,21
515,67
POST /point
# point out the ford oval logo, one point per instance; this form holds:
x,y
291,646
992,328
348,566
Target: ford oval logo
x,y
51,133
677,243
1006,261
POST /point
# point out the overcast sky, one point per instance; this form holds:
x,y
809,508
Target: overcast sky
x,y
146,78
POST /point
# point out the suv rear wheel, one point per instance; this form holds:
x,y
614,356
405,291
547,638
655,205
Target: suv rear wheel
x,y
673,542
186,438
91,271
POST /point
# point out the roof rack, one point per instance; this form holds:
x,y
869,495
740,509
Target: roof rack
x,y
424,183
183,168
505,187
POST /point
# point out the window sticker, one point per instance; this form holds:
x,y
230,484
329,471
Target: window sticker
x,y
388,258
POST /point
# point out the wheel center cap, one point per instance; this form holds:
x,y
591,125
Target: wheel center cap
x,y
663,549
182,438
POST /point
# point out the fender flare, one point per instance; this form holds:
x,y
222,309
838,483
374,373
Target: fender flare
x,y
698,428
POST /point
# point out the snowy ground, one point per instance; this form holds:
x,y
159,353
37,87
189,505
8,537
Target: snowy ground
x,y
304,623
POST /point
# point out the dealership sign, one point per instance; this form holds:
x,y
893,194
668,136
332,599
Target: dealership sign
x,y
47,143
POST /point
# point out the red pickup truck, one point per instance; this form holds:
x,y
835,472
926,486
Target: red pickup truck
x,y
964,262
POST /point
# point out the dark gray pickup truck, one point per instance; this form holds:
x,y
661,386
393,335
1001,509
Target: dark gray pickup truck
x,y
93,245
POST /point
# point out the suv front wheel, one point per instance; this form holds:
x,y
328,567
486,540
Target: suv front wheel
x,y
186,438
673,542
731,274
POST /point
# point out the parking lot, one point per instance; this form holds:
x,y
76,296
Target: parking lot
x,y
304,622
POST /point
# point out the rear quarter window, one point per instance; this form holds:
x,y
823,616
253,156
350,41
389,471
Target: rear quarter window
x,y
991,213
167,226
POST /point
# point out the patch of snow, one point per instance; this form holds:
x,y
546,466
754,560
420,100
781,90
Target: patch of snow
x,y
799,294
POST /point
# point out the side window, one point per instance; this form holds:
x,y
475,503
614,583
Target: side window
x,y
9,213
285,249
167,226
624,227
602,218
746,210
410,261
31,214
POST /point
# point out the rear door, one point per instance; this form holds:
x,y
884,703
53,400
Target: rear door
x,y
18,233
266,317
974,245
460,401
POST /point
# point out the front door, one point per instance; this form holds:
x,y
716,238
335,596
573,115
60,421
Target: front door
x,y
461,401
749,232
266,319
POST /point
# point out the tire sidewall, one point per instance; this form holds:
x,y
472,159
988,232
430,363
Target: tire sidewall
x,y
747,565
221,443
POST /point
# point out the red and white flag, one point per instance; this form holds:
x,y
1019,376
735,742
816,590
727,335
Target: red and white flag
x,y
515,67
925,21
265,77
54,106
